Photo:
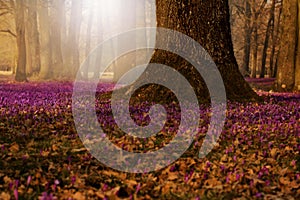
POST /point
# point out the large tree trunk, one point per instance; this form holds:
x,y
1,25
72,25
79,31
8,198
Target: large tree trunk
x,y
21,43
286,58
208,23
297,67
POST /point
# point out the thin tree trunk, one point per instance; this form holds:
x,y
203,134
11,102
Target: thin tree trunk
x,y
255,52
55,38
247,47
270,27
88,37
44,30
275,36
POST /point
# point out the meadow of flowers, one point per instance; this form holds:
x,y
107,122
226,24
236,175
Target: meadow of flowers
x,y
42,157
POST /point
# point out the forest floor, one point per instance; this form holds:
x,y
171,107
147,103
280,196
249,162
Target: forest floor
x,y
42,156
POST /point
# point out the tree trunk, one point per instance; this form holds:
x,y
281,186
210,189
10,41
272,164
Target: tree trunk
x,y
286,58
270,27
247,47
72,53
32,39
21,43
275,37
88,37
255,50
297,67
44,29
207,22
57,14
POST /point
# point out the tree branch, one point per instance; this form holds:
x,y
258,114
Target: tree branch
x,y
9,32
4,13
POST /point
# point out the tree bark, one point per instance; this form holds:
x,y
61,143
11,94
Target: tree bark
x,y
44,29
72,53
254,51
247,41
57,14
21,43
287,57
208,23
32,39
275,37
270,27
297,63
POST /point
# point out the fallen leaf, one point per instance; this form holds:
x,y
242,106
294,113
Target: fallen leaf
x,y
14,147
78,196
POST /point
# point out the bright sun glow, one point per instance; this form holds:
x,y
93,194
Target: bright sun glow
x,y
110,9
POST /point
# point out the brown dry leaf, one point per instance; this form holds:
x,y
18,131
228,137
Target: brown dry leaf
x,y
283,171
14,147
294,185
166,188
115,174
55,147
271,161
7,179
100,195
29,191
287,148
45,153
273,152
78,196
112,193
191,162
172,177
38,175
4,196
284,180
131,182
211,183
224,158
256,180
31,143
